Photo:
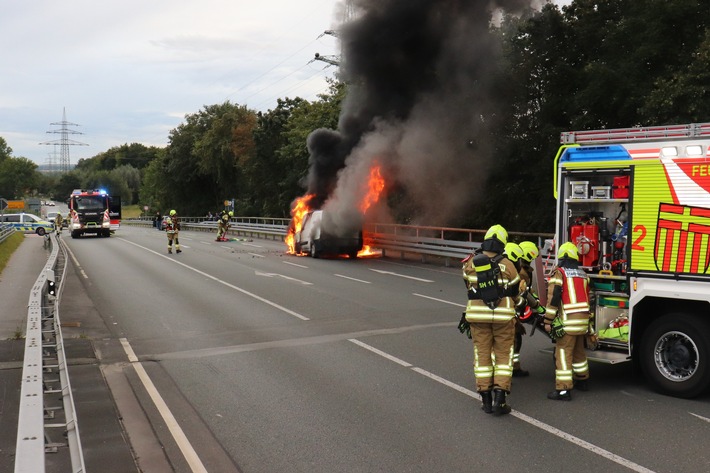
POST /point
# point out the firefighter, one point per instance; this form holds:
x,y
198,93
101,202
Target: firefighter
x,y
515,254
172,229
492,283
58,223
223,225
567,318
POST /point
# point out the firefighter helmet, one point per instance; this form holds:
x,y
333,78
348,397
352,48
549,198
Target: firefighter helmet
x,y
513,252
497,232
530,251
568,250
172,212
231,214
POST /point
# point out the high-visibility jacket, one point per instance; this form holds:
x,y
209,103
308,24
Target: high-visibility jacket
x,y
172,224
476,310
568,290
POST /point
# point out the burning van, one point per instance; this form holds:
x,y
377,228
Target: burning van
x,y
321,235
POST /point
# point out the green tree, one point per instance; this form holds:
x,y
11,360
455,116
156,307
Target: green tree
x,y
18,177
5,150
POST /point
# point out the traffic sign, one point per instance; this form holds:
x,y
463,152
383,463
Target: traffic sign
x,y
15,204
3,204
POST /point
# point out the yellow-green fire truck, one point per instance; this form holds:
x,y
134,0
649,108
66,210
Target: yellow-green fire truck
x,y
636,203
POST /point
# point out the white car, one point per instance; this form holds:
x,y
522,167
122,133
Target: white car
x,y
28,223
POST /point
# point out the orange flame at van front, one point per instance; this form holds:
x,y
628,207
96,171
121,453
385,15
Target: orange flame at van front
x,y
298,212
375,186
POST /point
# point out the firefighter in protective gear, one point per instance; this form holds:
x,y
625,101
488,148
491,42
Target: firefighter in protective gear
x,y
532,310
58,223
492,324
172,228
223,225
515,254
567,316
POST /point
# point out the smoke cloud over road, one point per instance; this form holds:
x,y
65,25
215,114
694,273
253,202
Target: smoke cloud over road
x,y
422,81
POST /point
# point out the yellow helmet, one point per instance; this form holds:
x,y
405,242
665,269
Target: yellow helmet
x,y
231,214
530,251
497,232
568,250
513,252
172,212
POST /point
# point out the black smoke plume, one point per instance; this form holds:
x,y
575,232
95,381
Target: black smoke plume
x,y
422,81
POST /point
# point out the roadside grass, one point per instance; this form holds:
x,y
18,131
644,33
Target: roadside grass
x,y
8,247
131,211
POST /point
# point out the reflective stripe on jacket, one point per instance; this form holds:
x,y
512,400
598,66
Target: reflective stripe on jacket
x,y
574,285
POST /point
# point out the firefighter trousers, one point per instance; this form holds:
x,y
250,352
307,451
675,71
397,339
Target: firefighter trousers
x,y
173,237
570,361
493,354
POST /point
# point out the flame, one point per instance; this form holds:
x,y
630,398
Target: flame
x,y
375,186
367,250
299,210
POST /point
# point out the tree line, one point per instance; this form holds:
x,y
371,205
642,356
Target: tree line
x,y
590,65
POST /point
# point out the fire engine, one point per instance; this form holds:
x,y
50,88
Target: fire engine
x,y
636,203
93,211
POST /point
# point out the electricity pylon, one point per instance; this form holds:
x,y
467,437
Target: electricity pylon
x,y
64,142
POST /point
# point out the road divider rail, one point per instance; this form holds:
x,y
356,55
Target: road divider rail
x,y
449,244
6,231
45,377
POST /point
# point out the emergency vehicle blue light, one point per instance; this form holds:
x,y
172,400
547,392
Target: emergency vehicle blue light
x,y
102,192
596,153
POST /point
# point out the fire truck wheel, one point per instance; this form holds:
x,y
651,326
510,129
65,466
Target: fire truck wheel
x,y
675,354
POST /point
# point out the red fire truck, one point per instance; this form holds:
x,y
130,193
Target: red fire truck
x,y
93,211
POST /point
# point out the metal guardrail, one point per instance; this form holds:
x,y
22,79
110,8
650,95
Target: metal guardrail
x,y
6,231
44,375
443,242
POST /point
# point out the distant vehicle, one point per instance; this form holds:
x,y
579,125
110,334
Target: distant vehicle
x,y
50,203
28,223
51,216
319,236
93,211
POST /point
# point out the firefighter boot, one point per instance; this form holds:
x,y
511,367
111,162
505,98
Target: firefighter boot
x,y
560,395
500,406
581,384
487,399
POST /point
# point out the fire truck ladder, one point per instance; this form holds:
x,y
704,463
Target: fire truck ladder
x,y
646,133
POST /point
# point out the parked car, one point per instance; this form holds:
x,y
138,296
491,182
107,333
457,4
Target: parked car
x,y
28,223
320,235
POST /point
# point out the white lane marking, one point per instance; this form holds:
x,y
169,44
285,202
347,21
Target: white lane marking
x,y
76,261
243,291
206,242
400,275
252,244
439,300
380,352
525,418
227,247
352,279
180,438
256,254
295,264
271,275
699,417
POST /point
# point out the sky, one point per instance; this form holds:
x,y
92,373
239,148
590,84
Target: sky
x,y
129,71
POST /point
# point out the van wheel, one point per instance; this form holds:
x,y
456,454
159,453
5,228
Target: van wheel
x,y
352,254
675,353
74,234
314,252
40,231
